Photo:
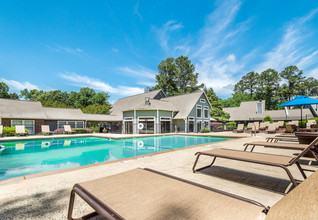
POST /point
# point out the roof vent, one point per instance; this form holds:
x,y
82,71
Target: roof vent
x,y
147,101
147,89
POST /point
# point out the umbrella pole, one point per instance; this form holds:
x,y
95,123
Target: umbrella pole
x,y
301,116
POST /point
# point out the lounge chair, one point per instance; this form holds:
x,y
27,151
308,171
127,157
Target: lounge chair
x,y
271,128
20,130
46,129
262,126
290,128
1,130
280,124
289,146
282,138
296,123
149,194
68,129
256,127
258,158
240,128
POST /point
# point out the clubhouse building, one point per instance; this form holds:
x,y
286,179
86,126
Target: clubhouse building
x,y
148,113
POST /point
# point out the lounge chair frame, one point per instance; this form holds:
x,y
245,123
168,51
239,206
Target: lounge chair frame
x,y
293,161
108,213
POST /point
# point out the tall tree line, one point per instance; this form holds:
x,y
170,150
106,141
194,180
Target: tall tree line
x,y
86,99
273,87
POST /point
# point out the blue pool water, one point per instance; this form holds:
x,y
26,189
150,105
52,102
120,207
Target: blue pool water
x,y
24,157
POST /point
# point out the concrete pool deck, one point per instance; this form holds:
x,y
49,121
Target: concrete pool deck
x,y
47,197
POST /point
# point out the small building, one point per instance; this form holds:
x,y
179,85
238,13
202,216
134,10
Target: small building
x,y
147,113
154,113
255,111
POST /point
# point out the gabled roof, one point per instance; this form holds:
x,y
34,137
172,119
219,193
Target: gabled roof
x,y
21,109
154,105
131,102
63,114
101,117
186,102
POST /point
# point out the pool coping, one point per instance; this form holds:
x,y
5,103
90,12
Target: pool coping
x,y
31,176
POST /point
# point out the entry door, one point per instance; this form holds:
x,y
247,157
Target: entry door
x,y
191,126
165,126
128,127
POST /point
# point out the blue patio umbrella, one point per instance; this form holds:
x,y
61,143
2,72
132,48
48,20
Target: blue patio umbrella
x,y
300,101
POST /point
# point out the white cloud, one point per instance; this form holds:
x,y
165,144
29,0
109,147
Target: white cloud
x,y
292,48
85,81
139,72
215,69
19,85
164,34
62,49
136,11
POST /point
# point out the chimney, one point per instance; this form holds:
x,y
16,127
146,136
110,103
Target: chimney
x,y
147,90
147,101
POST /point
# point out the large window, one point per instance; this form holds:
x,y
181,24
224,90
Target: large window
x,y
165,124
128,123
259,108
206,112
199,111
191,124
148,125
73,124
28,124
199,126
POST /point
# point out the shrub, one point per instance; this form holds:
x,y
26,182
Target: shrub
x,y
59,131
205,130
268,118
220,128
89,130
8,131
80,130
95,129
302,124
230,126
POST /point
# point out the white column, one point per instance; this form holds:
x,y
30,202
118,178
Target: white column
x,y
135,130
157,130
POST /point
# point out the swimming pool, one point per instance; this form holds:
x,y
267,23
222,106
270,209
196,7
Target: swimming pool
x,y
24,157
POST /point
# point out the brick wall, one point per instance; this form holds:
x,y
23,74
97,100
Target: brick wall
x,y
38,123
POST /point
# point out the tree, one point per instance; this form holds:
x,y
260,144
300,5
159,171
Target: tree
x,y
4,92
310,86
96,109
217,108
268,87
176,76
248,84
236,100
4,89
294,78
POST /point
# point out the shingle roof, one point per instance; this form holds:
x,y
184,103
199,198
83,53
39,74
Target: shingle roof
x,y
131,102
21,109
247,111
155,104
63,114
101,117
185,102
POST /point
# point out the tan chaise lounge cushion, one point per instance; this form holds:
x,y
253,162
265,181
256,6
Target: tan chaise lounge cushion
x,y
300,203
248,156
141,194
279,145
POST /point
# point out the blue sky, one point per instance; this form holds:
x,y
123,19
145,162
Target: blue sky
x,y
116,46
